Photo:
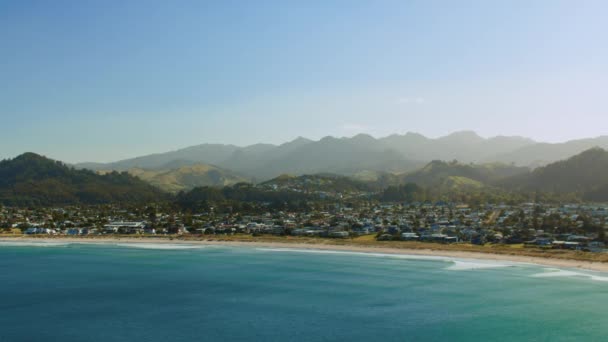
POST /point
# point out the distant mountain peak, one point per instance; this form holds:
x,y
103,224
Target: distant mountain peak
x,y
328,139
462,135
363,137
512,137
414,134
299,141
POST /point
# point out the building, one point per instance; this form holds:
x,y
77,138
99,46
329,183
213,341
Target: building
x,y
124,227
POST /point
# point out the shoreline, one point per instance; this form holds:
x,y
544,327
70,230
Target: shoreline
x,y
524,259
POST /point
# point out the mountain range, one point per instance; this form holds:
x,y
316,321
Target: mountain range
x,y
360,154
30,179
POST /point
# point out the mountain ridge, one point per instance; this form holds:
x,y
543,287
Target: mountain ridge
x,y
584,173
31,179
396,153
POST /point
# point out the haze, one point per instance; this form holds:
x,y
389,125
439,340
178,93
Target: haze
x,y
103,81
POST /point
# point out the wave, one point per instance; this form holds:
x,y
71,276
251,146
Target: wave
x,y
556,273
380,255
458,264
462,265
158,246
32,244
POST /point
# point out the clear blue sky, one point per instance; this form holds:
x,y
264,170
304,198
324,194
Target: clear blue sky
x,y
106,80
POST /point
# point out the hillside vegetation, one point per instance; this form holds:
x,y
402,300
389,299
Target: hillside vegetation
x,y
187,177
30,179
455,175
584,174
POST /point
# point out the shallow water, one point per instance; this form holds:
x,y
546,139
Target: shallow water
x,y
125,292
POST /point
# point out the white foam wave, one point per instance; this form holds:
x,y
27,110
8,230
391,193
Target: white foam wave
x,y
555,272
461,265
158,246
458,264
32,244
379,255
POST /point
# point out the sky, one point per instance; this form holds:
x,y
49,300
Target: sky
x,y
107,80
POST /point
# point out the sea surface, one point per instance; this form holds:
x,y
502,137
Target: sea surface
x,y
129,292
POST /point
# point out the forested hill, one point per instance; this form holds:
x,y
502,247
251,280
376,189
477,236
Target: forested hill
x,y
585,174
455,175
30,179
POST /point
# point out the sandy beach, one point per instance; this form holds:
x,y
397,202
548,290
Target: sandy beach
x,y
549,262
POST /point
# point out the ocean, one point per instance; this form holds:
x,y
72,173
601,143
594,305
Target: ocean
x,y
148,292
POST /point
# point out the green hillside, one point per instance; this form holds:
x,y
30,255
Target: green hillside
x,y
187,177
30,179
584,174
454,174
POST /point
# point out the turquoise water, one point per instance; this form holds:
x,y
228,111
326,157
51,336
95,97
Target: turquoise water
x,y
123,293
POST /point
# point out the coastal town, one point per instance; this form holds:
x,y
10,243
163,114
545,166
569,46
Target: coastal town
x,y
533,225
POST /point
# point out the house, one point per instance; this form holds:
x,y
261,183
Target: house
x,y
409,236
540,241
73,231
87,231
385,237
339,234
595,246
579,238
439,238
565,245
362,230
124,227
31,231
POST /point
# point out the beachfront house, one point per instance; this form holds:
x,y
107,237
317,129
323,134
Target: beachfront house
x,y
32,231
73,231
408,236
339,234
124,227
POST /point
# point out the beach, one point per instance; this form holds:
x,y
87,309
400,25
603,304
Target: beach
x,y
327,245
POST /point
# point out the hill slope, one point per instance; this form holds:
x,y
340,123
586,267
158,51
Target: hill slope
x,y
465,146
187,177
205,154
456,174
318,183
30,179
541,154
264,161
584,174
345,156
